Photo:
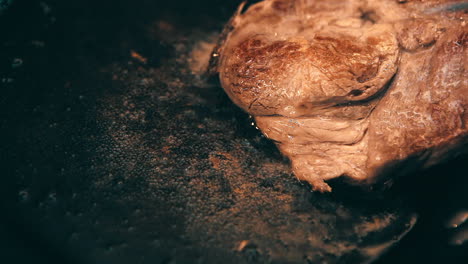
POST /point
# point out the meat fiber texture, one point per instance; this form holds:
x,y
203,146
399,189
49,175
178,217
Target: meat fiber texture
x,y
351,88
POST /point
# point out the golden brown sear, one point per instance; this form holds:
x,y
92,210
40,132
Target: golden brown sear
x,y
351,87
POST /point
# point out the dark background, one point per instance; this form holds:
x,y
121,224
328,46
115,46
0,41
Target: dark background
x,y
81,121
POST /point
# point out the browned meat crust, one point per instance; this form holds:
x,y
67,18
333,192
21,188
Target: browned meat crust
x,y
350,87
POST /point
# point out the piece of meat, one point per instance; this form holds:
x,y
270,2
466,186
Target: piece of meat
x,y
351,87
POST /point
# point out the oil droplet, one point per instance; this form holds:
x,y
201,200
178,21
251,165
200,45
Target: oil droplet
x,y
17,62
38,43
23,195
457,219
52,197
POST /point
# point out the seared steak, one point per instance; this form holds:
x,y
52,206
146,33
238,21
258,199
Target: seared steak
x,y
350,87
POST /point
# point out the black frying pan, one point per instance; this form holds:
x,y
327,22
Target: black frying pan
x,y
114,152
